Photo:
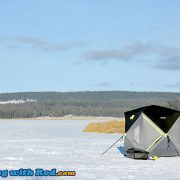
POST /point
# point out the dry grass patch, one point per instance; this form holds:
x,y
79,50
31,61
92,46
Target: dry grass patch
x,y
106,127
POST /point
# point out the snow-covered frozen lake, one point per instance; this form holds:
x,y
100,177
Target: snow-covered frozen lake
x,y
62,145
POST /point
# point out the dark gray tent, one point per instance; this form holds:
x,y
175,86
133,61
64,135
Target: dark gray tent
x,y
152,130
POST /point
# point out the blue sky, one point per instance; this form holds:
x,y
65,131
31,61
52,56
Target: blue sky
x,y
77,45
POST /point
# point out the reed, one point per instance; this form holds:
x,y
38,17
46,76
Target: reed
x,y
106,127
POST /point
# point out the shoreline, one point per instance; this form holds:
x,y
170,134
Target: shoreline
x,y
70,118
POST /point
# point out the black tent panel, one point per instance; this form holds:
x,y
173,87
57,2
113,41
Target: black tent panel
x,y
161,116
131,117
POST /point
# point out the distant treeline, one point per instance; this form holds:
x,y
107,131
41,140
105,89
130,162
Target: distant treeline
x,y
103,103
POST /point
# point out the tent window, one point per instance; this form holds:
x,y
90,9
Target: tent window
x,y
136,134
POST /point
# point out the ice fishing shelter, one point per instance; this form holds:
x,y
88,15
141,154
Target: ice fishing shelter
x,y
152,130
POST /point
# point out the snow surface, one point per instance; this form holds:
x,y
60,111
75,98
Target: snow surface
x,y
20,101
62,145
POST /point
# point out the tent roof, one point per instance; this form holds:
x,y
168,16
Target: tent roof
x,y
161,116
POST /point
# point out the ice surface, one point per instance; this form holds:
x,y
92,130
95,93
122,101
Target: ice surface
x,y
62,145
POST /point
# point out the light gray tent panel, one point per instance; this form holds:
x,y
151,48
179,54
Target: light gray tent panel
x,y
134,134
174,134
164,147
142,134
149,132
127,144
